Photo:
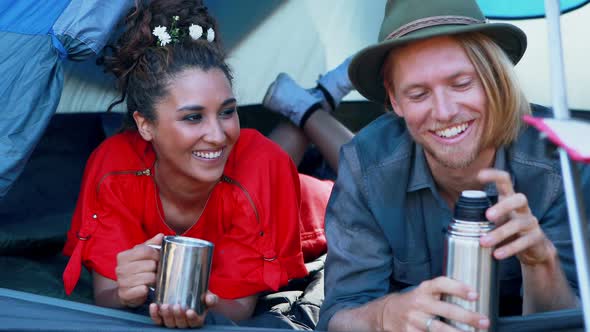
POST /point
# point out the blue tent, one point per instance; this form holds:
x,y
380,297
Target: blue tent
x,y
36,36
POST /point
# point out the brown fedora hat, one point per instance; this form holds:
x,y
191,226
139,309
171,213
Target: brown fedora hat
x,y
412,20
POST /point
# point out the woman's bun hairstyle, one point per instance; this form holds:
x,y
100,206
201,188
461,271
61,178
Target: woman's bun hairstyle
x,y
143,63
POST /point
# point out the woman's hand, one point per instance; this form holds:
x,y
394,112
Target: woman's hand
x,y
174,316
136,271
517,231
417,310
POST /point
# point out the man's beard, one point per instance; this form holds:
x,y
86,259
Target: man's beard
x,y
446,159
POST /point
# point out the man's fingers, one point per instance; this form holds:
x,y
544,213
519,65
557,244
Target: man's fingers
x,y
440,326
520,244
517,226
445,285
517,202
500,178
457,313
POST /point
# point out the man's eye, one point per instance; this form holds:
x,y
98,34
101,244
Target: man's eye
x,y
462,84
193,117
417,96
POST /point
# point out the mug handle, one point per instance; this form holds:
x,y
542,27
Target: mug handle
x,y
157,247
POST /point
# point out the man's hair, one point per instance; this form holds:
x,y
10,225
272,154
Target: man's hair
x,y
506,102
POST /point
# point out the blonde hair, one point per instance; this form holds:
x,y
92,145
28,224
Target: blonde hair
x,y
506,101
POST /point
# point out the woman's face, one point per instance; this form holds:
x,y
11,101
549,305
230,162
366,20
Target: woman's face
x,y
196,126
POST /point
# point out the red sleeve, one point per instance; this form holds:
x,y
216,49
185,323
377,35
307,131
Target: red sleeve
x,y
262,251
106,221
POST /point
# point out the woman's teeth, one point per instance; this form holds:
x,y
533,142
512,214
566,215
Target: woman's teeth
x,y
208,155
452,131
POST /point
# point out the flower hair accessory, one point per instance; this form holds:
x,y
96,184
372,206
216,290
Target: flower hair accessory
x,y
173,36
210,35
163,36
196,32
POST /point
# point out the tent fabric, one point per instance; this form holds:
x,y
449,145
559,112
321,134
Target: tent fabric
x,y
36,213
30,91
296,306
33,76
91,22
26,312
41,275
30,17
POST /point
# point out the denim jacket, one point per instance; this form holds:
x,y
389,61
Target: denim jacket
x,y
385,220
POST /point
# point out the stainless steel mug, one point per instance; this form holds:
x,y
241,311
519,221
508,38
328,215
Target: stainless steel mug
x,y
467,261
183,272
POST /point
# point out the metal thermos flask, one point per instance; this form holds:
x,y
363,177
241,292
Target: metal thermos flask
x,y
467,261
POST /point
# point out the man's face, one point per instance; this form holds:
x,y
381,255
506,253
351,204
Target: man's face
x,y
439,94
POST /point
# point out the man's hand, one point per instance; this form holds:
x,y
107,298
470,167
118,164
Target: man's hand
x,y
136,271
416,309
517,230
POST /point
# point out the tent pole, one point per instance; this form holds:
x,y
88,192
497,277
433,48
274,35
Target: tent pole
x,y
571,179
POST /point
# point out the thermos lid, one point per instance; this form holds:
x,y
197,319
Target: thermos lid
x,y
472,206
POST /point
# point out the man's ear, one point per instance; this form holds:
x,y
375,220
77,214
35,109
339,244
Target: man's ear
x,y
144,126
392,101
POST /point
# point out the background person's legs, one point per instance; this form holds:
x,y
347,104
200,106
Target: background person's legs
x,y
310,113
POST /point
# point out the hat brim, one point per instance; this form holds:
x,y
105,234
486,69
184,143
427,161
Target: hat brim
x,y
365,68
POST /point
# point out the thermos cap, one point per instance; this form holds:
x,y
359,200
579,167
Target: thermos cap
x,y
472,206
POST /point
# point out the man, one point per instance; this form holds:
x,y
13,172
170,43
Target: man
x,y
448,76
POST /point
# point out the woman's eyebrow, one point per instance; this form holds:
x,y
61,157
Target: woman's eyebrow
x,y
200,108
229,101
191,108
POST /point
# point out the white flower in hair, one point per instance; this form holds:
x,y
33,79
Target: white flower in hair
x,y
159,31
164,39
195,31
210,35
163,36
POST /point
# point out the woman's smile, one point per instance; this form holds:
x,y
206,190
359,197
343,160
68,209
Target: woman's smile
x,y
209,155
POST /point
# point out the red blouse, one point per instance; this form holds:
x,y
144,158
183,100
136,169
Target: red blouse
x,y
259,216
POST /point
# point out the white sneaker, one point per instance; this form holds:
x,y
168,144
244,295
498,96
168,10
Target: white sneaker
x,y
336,84
286,97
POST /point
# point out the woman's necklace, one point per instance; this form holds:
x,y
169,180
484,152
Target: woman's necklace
x,y
158,201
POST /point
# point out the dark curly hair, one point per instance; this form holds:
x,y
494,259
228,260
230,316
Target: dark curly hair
x,y
144,68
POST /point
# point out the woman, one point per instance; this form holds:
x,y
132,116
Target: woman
x,y
183,166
